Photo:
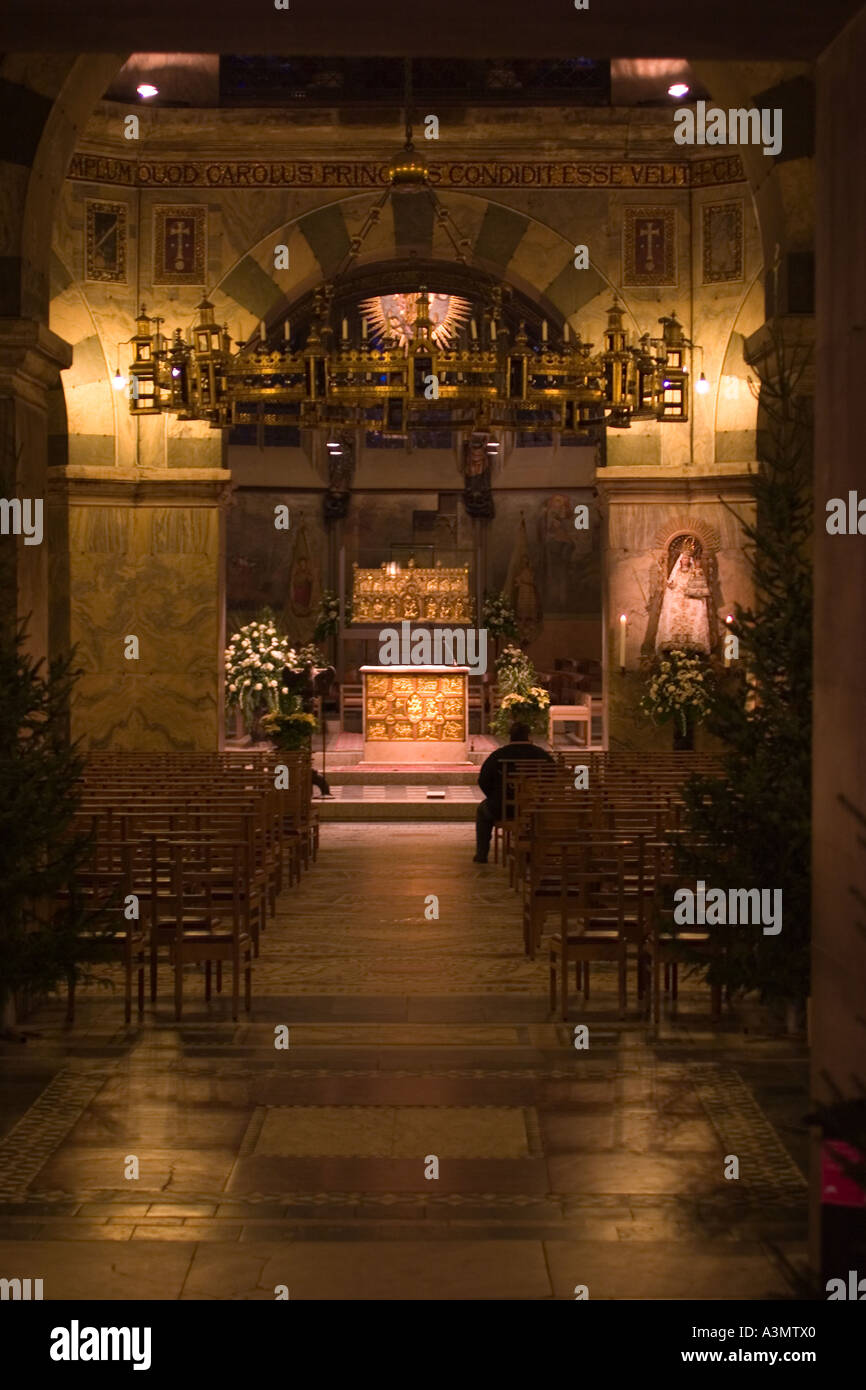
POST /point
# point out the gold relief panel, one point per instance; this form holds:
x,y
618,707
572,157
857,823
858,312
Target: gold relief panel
x,y
411,594
396,709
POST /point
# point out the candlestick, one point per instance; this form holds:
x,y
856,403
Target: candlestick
x,y
623,624
728,621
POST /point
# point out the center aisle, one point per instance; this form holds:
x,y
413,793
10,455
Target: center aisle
x,y
428,1132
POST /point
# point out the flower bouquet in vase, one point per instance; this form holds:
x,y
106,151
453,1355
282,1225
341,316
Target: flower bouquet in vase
x,y
289,731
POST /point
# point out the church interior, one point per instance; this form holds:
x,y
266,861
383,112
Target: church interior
x,y
430,535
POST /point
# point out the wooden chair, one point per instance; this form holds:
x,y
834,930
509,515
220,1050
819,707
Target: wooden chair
x,y
104,888
203,877
596,901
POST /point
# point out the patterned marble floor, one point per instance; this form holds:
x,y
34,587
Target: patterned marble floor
x,y
429,1132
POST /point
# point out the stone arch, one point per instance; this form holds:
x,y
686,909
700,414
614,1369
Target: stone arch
x,y
94,416
781,189
47,100
500,241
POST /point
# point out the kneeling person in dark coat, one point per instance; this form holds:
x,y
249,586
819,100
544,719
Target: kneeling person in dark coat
x,y
519,749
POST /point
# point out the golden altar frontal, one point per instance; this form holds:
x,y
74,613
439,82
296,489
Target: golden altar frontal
x,y
421,595
415,713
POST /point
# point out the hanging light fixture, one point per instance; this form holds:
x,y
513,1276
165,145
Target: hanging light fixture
x,y
413,366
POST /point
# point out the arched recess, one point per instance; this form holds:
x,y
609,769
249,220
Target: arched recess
x,y
46,99
500,243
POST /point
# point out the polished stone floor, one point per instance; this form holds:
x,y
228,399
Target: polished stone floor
x,y
415,1043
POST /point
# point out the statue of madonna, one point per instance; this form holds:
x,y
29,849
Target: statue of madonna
x,y
684,623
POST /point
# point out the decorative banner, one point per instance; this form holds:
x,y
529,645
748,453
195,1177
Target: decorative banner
x,y
301,580
723,242
164,174
105,242
179,245
649,246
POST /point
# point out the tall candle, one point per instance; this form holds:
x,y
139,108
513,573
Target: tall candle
x,y
566,333
728,620
473,328
364,329
623,624
493,330
345,330
262,330
544,330
287,330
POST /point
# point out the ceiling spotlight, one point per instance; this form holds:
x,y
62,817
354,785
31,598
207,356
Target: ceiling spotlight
x,y
702,386
118,381
678,89
147,89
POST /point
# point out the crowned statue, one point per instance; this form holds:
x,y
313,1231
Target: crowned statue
x,y
684,623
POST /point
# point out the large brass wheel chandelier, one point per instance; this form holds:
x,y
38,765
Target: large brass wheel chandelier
x,y
424,376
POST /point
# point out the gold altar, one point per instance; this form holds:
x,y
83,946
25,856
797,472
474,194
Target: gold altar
x,y
415,713
390,594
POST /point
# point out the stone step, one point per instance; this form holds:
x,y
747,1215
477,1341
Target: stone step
x,y
457,804
383,775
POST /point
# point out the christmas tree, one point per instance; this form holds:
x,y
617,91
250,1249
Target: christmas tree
x,y
48,932
754,820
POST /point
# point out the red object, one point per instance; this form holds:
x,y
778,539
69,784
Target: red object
x,y
837,1188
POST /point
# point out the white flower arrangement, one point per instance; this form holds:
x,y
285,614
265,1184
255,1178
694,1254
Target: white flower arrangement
x,y
253,656
679,688
498,616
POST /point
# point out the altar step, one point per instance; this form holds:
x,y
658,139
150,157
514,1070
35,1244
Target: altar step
x,y
451,802
391,775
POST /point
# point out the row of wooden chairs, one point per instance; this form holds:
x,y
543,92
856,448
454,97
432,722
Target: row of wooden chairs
x,y
596,852
187,856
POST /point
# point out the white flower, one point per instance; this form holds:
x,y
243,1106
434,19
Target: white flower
x,y
257,687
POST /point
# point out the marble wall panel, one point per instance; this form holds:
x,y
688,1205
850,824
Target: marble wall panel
x,y
152,572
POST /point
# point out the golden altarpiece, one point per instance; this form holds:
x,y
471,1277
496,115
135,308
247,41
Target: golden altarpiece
x,y
413,713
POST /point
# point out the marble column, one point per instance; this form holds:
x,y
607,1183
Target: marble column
x,y
839,745
144,560
30,358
